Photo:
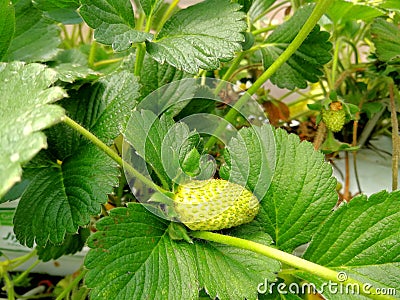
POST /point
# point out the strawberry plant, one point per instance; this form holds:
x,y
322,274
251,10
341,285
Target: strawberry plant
x,y
121,130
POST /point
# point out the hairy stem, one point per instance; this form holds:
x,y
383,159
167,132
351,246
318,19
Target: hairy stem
x,y
113,155
167,14
74,283
308,26
285,258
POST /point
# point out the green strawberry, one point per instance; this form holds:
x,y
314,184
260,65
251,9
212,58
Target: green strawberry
x,y
335,117
214,204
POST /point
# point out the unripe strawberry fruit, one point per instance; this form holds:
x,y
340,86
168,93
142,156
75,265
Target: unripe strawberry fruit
x,y
335,117
214,204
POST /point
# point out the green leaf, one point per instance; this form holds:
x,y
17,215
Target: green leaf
x,y
118,93
145,132
302,193
306,63
132,257
230,273
259,8
7,26
69,72
252,159
72,244
62,11
35,38
386,37
110,101
113,23
150,6
155,75
62,197
361,238
341,12
25,110
200,36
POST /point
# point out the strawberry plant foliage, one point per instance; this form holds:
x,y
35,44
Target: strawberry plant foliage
x,y
26,109
188,42
120,133
365,247
114,23
306,63
35,37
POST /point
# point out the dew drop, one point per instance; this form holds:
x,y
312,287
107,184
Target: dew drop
x,y
14,157
27,130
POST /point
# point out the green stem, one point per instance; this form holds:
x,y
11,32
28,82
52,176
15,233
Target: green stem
x,y
334,64
113,155
9,287
308,26
140,53
74,283
167,14
107,62
24,274
92,54
285,258
234,65
264,29
16,262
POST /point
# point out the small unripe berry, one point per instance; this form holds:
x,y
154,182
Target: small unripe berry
x,y
214,204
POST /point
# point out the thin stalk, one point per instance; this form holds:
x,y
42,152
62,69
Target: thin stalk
x,y
107,61
74,283
346,193
263,29
16,262
395,139
271,8
140,53
285,258
234,65
24,274
9,287
113,155
316,14
167,14
92,54
335,63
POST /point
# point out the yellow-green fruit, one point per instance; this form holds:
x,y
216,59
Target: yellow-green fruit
x,y
335,117
214,204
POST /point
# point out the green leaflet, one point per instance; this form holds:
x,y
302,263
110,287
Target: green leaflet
x,y
25,110
7,26
150,6
113,22
79,182
132,257
200,36
386,37
302,193
155,75
64,11
306,63
35,38
72,244
60,198
251,160
361,239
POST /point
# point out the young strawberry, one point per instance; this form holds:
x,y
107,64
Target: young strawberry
x,y
214,204
335,117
